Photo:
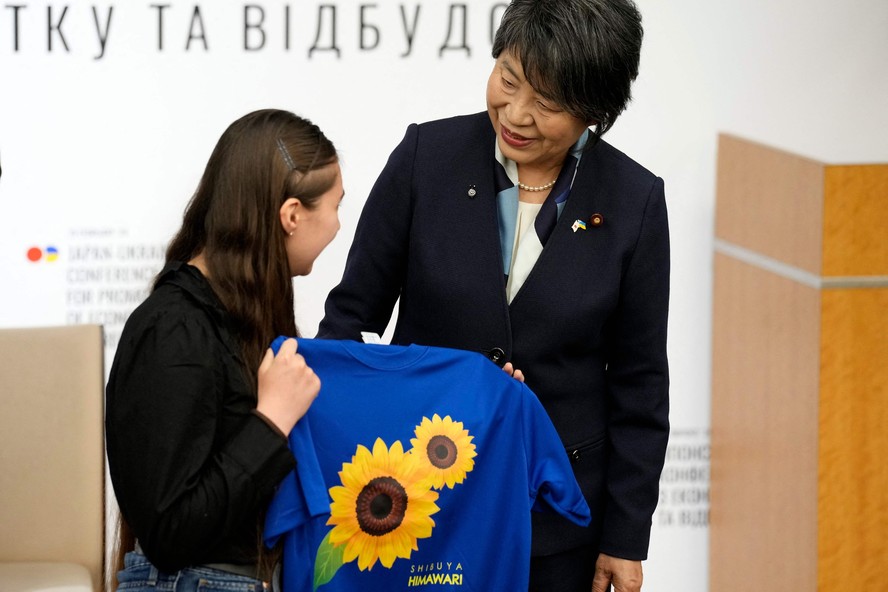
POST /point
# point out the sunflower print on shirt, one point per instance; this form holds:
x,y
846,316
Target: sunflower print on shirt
x,y
446,449
386,499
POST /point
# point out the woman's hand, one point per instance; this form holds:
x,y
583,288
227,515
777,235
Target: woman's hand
x,y
624,574
287,386
509,369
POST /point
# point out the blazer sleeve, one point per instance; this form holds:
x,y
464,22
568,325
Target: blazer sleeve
x,y
638,387
377,260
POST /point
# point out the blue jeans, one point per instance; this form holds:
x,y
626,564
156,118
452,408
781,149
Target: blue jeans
x,y
139,575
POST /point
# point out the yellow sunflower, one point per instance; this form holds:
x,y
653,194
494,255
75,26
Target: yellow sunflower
x,y
446,448
382,507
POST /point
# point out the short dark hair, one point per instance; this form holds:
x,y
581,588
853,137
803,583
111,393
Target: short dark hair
x,y
581,54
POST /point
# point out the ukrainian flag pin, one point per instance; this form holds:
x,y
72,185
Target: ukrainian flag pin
x,y
578,225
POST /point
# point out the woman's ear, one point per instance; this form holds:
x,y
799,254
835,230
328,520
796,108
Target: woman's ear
x,y
289,214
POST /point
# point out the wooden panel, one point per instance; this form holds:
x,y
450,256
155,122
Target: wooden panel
x,y
766,353
853,500
770,202
855,220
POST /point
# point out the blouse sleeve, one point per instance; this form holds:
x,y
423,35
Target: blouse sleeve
x,y
189,467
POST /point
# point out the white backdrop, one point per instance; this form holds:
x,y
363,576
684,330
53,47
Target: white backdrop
x,y
106,124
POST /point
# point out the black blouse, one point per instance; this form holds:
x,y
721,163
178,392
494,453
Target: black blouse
x,y
193,466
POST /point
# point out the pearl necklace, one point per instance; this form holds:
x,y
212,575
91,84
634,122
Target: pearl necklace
x,y
540,188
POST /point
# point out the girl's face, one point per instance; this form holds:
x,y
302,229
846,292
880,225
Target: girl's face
x,y
316,227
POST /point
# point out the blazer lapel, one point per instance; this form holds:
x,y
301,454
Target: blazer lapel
x,y
579,206
475,193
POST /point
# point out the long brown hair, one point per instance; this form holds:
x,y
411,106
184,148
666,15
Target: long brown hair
x,y
233,221
260,160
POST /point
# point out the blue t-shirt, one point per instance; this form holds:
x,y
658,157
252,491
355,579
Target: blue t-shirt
x,y
417,468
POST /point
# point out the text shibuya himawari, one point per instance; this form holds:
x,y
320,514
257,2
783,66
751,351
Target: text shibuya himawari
x,y
307,29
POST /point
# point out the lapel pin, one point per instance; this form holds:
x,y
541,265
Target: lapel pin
x,y
578,225
596,220
472,192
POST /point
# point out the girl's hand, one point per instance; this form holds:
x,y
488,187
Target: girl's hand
x,y
287,386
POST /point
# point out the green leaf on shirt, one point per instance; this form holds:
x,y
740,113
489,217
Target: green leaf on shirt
x,y
328,561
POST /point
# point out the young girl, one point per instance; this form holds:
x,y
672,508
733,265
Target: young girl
x,y
198,408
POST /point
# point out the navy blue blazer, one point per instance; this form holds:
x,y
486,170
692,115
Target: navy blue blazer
x,y
587,328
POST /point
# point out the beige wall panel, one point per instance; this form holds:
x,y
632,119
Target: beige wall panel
x,y
853,500
770,202
763,531
855,220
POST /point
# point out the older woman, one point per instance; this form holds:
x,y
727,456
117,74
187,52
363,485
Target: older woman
x,y
520,233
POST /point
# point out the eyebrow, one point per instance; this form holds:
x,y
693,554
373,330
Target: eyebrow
x,y
508,67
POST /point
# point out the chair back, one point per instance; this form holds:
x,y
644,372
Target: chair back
x,y
52,460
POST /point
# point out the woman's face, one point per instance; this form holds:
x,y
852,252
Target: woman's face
x,y
316,227
531,130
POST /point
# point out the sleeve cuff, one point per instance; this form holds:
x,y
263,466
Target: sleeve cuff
x,y
270,423
262,452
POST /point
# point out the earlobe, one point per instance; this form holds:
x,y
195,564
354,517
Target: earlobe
x,y
289,214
